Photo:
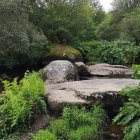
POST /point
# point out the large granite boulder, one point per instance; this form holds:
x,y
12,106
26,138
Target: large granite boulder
x,y
59,71
87,92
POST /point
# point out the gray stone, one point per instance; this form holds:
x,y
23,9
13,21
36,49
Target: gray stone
x,y
59,71
87,92
110,70
82,69
57,99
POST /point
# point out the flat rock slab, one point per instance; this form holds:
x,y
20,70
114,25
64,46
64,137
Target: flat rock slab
x,y
110,70
57,99
87,92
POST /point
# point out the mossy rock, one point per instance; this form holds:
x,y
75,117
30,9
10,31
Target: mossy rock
x,y
64,52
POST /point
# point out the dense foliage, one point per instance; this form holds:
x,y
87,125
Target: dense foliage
x,y
65,21
20,41
115,52
26,27
122,22
136,70
77,124
19,103
44,135
129,114
33,31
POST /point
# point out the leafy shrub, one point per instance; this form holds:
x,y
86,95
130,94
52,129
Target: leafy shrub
x,y
77,117
20,99
44,135
60,128
81,117
115,52
129,114
78,124
88,50
136,69
83,133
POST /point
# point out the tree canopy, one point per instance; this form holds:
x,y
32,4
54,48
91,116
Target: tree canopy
x,y
27,26
122,22
18,36
63,21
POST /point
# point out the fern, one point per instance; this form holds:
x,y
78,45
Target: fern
x,y
44,135
81,117
129,114
77,123
19,101
84,133
133,131
132,92
136,69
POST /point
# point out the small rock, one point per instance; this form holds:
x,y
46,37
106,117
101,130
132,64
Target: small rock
x,y
82,69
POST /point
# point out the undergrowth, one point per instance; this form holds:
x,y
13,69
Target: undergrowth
x,y
18,103
77,124
114,52
136,69
129,114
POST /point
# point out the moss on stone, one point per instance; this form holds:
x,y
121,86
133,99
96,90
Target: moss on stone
x,y
65,52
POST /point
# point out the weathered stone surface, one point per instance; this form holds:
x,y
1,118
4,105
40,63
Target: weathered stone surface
x,y
82,69
57,99
59,71
87,92
110,70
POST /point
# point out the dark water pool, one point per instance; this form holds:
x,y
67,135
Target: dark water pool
x,y
18,72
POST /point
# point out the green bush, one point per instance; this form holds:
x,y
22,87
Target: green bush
x,y
84,133
117,52
60,128
88,49
44,135
114,52
129,114
20,101
81,117
77,117
78,124
136,69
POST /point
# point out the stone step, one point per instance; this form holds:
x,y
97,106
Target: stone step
x,y
87,92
